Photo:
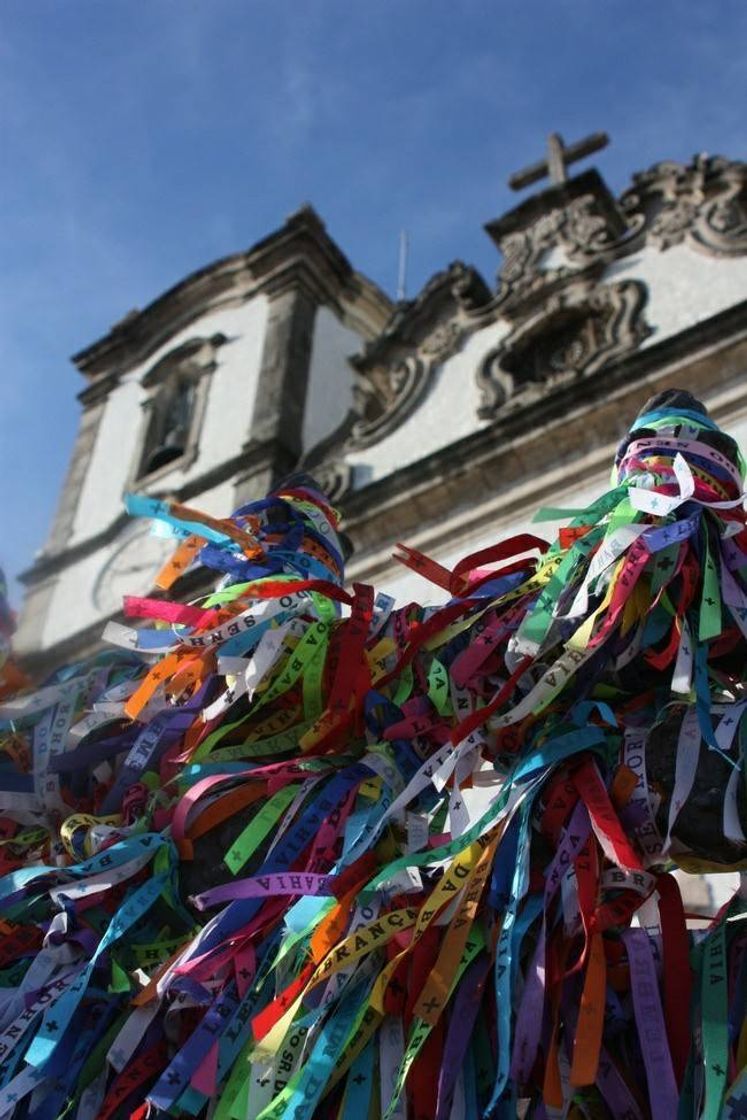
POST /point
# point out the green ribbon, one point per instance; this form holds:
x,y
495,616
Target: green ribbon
x,y
539,619
281,743
405,686
586,516
311,646
420,1029
709,625
313,701
438,687
715,1026
261,824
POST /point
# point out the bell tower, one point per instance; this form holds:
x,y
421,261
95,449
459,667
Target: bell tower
x,y
208,395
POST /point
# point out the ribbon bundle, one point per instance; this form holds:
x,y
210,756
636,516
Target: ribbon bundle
x,y
294,851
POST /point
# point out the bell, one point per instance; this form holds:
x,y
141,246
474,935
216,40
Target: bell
x,y
172,448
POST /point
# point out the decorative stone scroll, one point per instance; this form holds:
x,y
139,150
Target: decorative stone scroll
x,y
395,370
334,479
572,335
579,229
703,204
383,398
571,231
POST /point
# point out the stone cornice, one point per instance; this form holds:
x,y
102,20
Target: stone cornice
x,y
557,197
300,253
47,565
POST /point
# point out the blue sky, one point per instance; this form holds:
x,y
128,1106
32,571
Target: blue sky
x,y
142,139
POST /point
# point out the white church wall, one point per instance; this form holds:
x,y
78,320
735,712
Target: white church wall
x,y
447,413
101,497
685,287
218,502
72,607
738,430
329,393
233,386
230,403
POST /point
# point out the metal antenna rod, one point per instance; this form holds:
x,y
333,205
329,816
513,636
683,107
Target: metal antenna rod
x,y
404,245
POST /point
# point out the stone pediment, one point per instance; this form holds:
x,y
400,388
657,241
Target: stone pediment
x,y
566,314
393,371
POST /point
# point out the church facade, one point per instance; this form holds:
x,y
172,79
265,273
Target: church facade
x,y
443,422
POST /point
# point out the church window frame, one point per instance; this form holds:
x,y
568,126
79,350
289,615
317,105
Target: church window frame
x,y
181,373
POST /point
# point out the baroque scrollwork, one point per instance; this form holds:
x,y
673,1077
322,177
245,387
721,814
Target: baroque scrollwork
x,y
703,204
565,323
587,231
334,478
572,335
384,398
443,341
389,383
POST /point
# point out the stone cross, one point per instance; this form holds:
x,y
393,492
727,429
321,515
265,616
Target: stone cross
x,y
558,158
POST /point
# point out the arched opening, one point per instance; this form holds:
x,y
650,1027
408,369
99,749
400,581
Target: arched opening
x,y
168,431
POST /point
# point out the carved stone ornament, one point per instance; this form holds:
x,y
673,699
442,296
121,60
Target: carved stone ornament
x,y
427,323
703,204
442,342
191,359
384,398
394,370
574,334
384,395
578,228
589,230
335,479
